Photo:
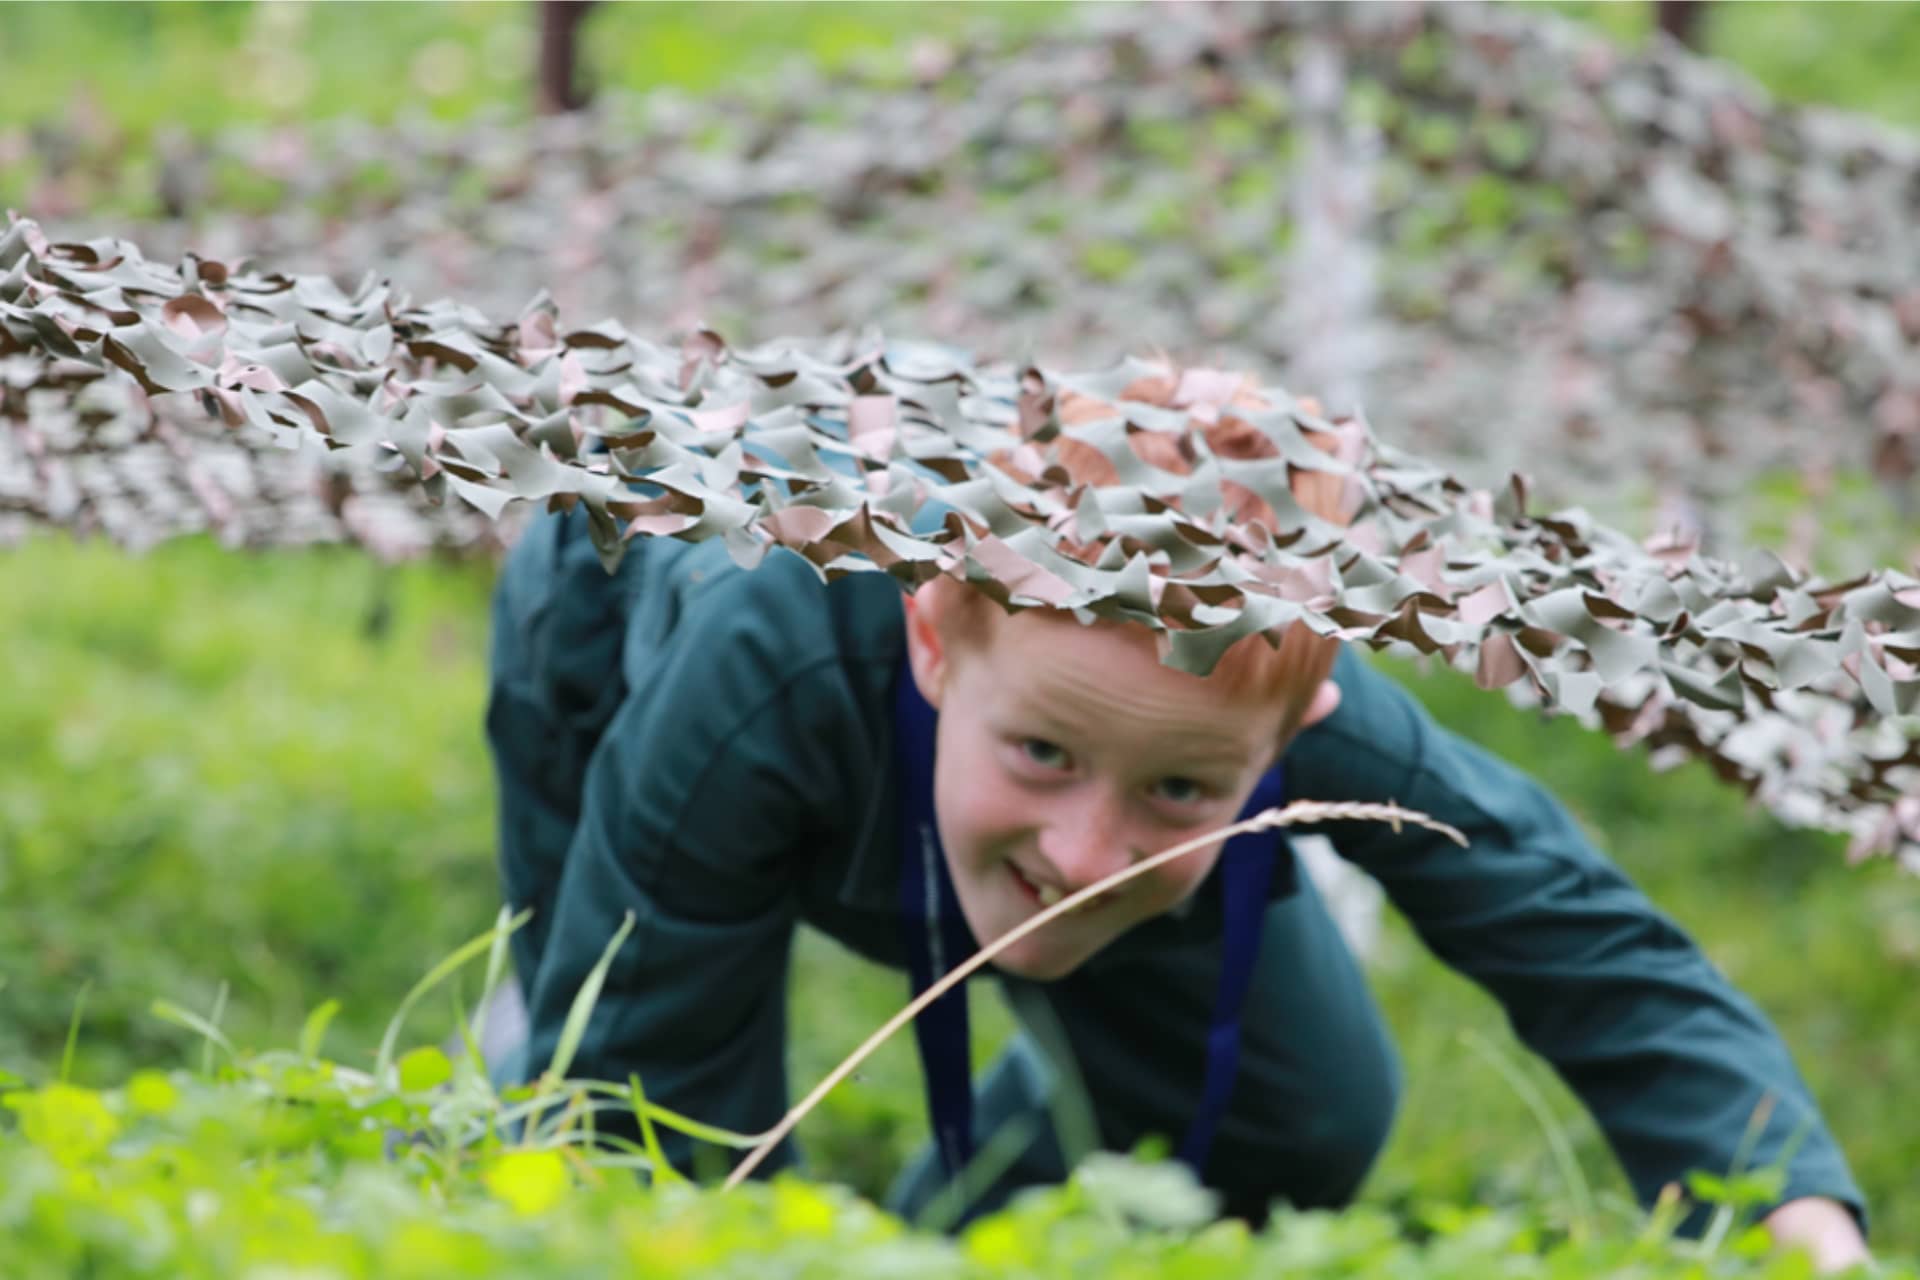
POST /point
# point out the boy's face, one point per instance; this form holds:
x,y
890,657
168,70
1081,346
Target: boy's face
x,y
1066,753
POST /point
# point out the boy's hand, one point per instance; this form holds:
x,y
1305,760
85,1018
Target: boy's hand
x,y
1824,1228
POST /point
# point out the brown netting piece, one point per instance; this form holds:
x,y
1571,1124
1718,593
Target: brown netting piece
x,y
142,399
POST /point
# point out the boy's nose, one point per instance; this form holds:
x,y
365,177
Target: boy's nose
x,y
1084,846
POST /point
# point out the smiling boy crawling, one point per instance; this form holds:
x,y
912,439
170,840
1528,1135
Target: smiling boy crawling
x,y
726,752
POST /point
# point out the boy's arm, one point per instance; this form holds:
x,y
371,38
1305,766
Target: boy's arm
x,y
694,1002
1672,1061
724,767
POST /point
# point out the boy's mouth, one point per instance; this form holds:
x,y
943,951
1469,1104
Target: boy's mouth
x,y
1045,895
1048,895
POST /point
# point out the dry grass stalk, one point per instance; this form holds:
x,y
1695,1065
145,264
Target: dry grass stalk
x,y
1298,813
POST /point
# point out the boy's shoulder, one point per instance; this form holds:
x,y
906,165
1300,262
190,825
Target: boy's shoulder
x,y
733,634
1370,746
782,597
668,597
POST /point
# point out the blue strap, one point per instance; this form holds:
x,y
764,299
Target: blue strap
x,y
937,939
936,933
1247,868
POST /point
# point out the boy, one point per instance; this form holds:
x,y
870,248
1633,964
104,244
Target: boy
x,y
724,753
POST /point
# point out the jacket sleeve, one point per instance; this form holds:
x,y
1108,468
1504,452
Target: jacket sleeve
x,y
1671,1060
716,775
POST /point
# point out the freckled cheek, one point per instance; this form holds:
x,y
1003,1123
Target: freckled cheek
x,y
981,813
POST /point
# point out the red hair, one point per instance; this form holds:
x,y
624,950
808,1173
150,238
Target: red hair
x,y
1289,672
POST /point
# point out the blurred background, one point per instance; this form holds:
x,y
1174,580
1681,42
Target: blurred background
x,y
1664,258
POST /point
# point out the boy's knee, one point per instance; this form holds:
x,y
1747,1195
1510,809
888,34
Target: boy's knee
x,y
1317,1150
1012,1101
1353,1135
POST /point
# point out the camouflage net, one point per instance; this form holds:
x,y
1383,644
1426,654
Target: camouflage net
x,y
918,461
1630,275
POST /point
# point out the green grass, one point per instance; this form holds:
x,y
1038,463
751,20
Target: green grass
x,y
1839,53
203,65
200,65
212,772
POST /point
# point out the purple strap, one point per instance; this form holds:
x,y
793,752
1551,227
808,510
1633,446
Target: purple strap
x,y
937,939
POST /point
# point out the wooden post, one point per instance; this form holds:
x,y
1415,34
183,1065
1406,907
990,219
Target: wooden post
x,y
557,88
1681,20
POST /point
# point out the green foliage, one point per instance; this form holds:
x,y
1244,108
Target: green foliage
x,y
204,778
281,1165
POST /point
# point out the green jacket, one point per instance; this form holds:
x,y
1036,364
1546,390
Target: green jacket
x,y
708,749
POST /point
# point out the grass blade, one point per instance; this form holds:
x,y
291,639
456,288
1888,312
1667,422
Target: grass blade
x,y
219,1012
496,969
998,1155
617,1098
663,1171
73,1032
468,1030
168,1011
314,1030
1577,1188
383,1061
574,1030
1068,1101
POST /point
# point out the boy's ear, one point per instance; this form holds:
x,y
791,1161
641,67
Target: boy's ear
x,y
926,653
1326,700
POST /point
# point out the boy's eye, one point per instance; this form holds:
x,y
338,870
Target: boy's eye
x,y
1180,790
1048,755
